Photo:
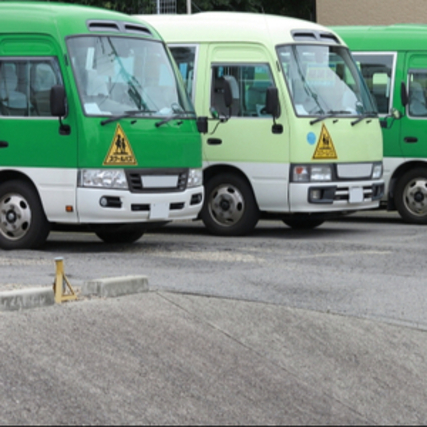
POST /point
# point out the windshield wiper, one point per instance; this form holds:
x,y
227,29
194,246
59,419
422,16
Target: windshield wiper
x,y
178,113
364,116
330,113
125,115
130,80
320,118
168,119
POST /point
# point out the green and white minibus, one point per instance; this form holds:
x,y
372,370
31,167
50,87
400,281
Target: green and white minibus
x,y
297,137
393,61
97,131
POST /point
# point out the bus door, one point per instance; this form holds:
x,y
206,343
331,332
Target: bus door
x,y
246,139
31,139
413,137
379,71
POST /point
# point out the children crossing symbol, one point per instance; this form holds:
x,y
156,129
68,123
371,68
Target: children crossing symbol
x,y
325,147
120,152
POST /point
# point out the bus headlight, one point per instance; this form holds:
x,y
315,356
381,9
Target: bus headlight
x,y
103,178
311,173
377,171
195,178
321,173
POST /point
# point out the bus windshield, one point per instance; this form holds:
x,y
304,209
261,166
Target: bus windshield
x,y
324,80
118,76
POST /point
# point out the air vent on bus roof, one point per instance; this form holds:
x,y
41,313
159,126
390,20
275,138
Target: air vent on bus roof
x,y
307,36
103,26
304,37
329,37
137,29
118,27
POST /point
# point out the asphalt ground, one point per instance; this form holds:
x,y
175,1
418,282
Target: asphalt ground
x,y
165,358
174,358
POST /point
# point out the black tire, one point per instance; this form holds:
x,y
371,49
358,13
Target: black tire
x,y
23,223
229,208
411,196
122,234
303,223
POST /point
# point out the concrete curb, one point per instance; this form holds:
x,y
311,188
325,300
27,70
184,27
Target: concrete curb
x,y
20,299
115,286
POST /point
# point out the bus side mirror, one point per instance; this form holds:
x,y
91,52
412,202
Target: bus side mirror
x,y
202,124
272,101
403,94
58,107
272,107
57,101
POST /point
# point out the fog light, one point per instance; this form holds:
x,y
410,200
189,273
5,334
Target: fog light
x,y
110,202
316,194
196,199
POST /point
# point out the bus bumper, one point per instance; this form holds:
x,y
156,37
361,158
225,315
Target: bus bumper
x,y
335,196
116,206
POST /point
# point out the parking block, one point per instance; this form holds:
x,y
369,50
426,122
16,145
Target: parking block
x,y
20,299
115,286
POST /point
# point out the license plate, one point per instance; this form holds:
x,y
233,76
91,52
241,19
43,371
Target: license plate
x,y
356,195
159,211
157,181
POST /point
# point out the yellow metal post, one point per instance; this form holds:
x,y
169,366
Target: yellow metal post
x,y
61,284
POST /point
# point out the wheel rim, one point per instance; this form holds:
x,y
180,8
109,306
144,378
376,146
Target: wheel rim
x,y
226,205
415,196
15,216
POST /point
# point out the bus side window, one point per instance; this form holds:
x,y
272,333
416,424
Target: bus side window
x,y
417,100
377,70
185,57
12,101
42,79
249,85
218,101
25,87
380,91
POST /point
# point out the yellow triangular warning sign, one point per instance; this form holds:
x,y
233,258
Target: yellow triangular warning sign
x,y
120,152
325,147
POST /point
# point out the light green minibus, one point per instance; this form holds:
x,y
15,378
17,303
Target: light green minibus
x,y
97,132
296,139
393,61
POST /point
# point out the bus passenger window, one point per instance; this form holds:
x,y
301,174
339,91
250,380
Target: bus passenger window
x,y
12,101
377,70
185,57
25,86
43,78
417,101
249,85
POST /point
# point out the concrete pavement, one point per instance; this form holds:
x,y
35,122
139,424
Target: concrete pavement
x,y
169,358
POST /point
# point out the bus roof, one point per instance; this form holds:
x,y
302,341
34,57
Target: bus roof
x,y
384,37
67,19
238,27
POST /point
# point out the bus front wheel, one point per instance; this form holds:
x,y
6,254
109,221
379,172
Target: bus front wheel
x,y
411,196
230,208
23,223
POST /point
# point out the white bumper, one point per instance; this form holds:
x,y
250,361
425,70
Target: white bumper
x,y
336,196
125,207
